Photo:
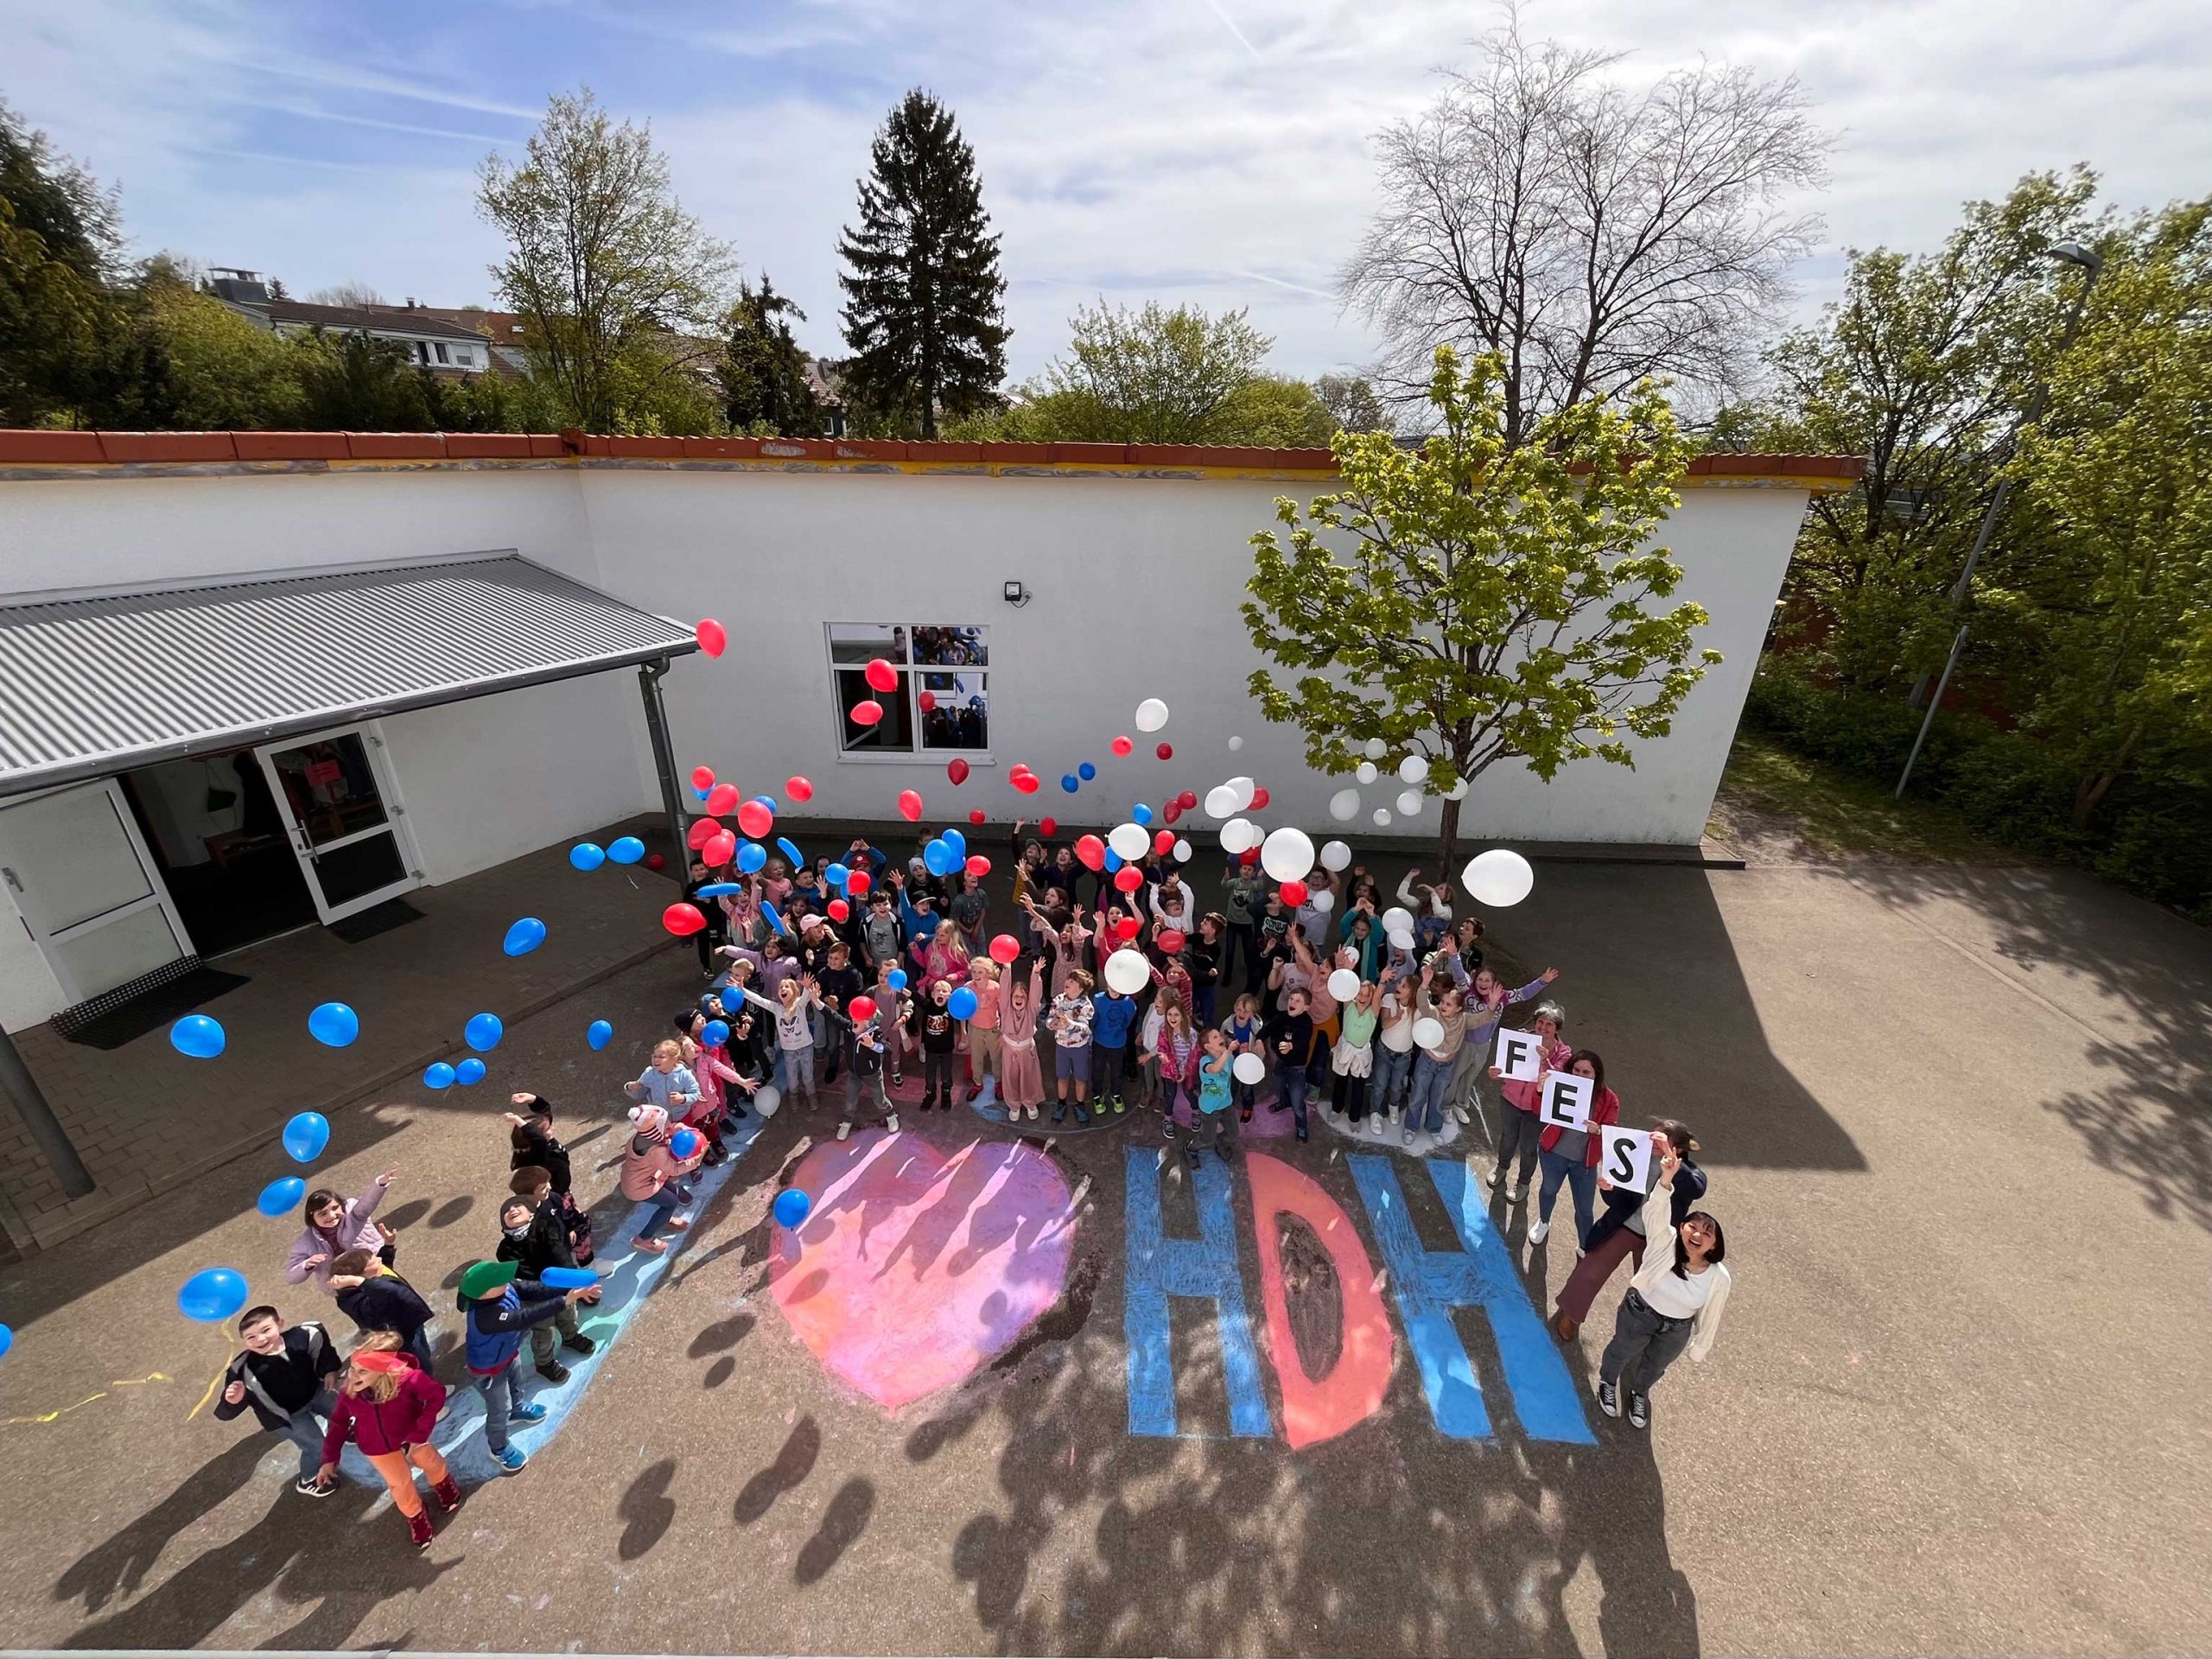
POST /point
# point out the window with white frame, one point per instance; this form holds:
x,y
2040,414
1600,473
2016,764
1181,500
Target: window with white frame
x,y
940,703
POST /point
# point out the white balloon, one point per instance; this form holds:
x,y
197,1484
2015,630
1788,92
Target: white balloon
x,y
1321,902
1458,791
1287,855
1244,789
1413,768
1152,715
1402,937
1182,852
1382,816
1237,835
1428,1034
1396,917
1409,802
1343,805
1131,841
1234,744
1377,748
1221,802
766,1099
1343,984
1248,1068
1366,774
1335,856
1499,877
1128,971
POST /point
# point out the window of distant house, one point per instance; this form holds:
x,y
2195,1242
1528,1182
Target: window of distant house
x,y
941,701
421,352
439,347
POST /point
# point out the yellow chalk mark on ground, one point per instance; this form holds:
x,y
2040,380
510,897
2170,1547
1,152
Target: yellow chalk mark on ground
x,y
52,1416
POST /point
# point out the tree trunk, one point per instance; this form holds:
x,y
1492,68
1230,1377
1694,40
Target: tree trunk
x,y
1447,844
2090,794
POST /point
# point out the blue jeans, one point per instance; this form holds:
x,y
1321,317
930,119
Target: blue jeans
x,y
1387,1089
1424,1106
1581,1179
663,1204
420,1347
306,1433
1291,1081
502,1392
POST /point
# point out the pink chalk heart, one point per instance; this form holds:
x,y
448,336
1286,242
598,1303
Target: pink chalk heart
x,y
914,1269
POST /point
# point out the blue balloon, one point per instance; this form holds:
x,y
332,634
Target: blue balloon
x,y
333,1025
768,801
961,1004
483,1033
683,1142
1070,782
1113,860
587,855
797,857
599,1034
469,1073
438,1076
751,857
212,1295
774,920
896,979
199,1036
306,1135
628,850
958,842
1088,770
792,1207
7,1341
837,875
525,936
717,889
937,857
1140,813
281,1198
715,1034
567,1278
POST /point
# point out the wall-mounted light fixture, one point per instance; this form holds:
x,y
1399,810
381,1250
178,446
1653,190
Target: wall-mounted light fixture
x,y
1016,594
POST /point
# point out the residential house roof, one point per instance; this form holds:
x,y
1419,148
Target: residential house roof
x,y
382,319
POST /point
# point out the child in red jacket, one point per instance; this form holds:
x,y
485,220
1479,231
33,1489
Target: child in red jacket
x,y
389,1405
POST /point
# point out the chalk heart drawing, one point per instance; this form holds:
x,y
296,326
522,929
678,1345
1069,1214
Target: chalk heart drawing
x,y
917,1269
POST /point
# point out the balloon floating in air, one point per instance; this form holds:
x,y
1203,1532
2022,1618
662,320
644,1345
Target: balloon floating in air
x,y
1152,715
713,637
792,1207
199,1036
525,936
469,1072
483,1033
599,1034
437,1075
212,1295
333,1025
305,1137
282,1196
1499,877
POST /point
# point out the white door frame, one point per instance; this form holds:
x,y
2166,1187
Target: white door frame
x,y
395,824
156,896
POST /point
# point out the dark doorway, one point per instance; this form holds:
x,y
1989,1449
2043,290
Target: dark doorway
x,y
219,835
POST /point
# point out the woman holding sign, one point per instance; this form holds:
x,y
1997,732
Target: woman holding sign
x,y
1571,1155
1619,1232
1673,1304
1519,1135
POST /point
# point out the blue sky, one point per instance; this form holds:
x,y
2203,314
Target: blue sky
x,y
1214,151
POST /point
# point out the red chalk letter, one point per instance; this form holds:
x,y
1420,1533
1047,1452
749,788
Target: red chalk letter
x,y
1319,1409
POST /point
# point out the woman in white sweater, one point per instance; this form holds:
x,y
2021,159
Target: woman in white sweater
x,y
1672,1304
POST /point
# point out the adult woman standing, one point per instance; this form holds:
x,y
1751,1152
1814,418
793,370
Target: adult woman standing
x,y
1619,1232
1571,1155
1673,1305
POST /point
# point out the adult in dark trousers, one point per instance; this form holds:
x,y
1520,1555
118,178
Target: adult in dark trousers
x,y
284,1378
376,1298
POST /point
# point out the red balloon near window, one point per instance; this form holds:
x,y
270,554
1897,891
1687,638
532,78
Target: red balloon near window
x,y
955,768
866,712
910,806
928,700
683,921
713,637
799,789
881,675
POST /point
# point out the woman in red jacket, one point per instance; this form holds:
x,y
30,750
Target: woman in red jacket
x,y
1571,1155
389,1405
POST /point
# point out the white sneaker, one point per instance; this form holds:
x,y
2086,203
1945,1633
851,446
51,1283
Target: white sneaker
x,y
1460,1112
844,1129
1381,1123
1540,1232
1407,1137
1497,1178
891,1122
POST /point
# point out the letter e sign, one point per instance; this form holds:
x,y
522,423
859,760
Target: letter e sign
x,y
1567,1100
1625,1157
1520,1055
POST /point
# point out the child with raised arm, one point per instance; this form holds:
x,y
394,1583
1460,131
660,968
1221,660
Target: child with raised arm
x,y
1017,1011
797,1000
864,1047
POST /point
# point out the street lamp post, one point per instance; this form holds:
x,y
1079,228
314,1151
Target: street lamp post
x,y
2074,254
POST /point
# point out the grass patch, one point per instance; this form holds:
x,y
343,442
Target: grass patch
x,y
1836,813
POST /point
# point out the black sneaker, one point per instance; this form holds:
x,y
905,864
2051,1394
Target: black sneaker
x,y
579,1344
313,1486
1608,1399
1221,1150
554,1371
1639,1411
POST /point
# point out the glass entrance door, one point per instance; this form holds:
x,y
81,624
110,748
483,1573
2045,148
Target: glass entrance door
x,y
88,889
346,827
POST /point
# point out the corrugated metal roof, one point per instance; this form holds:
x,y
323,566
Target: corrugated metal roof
x,y
94,684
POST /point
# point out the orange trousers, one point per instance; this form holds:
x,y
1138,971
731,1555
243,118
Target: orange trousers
x,y
400,1478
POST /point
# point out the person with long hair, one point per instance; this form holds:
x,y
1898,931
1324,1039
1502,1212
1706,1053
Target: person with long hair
x,y
388,1405
1673,1304
1024,1086
1519,1133
1618,1231
335,1226
1571,1155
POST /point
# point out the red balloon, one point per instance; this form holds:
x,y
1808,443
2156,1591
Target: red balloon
x,y
1129,878
1259,799
975,815
859,882
1122,746
866,712
1048,827
1126,929
1163,842
1004,948
1187,799
721,798
928,700
839,910
978,866
861,1007
654,861
756,820
703,831
910,805
799,789
1165,751
683,921
702,777
1171,811
1028,783
719,850
1249,857
881,675
956,769
1090,853
713,637
1171,941
1293,893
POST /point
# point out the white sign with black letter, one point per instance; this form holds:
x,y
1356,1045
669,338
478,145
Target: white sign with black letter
x,y
1625,1157
1520,1055
1567,1100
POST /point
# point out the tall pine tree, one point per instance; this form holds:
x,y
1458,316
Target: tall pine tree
x,y
925,314
762,370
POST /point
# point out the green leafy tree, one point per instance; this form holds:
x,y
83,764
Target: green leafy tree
x,y
219,371
350,383
57,248
1352,403
925,312
762,371
1276,411
1482,600
604,266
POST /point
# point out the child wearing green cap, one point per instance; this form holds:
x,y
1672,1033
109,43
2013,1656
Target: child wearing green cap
x,y
497,1311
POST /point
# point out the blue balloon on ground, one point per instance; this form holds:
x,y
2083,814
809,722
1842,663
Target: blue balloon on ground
x,y
714,1033
793,1206
469,1073
751,857
7,1341
1088,770
1140,813
567,1278
199,1036
599,1034
483,1033
628,850
961,1005
333,1025
1070,782
306,1135
683,1142
587,855
440,1076
212,1295
837,875
797,857
281,1198
525,936
896,979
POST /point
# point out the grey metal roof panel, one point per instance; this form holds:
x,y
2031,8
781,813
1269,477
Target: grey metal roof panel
x,y
91,684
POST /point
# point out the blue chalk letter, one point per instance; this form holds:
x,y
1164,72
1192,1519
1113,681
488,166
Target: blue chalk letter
x,y
1202,1267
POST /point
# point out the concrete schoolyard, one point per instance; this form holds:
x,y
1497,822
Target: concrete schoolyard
x,y
1955,1122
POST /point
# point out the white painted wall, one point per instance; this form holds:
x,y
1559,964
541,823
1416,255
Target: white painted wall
x,y
29,991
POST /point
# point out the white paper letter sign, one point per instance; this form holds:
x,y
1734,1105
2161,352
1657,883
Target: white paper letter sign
x,y
1520,1055
1625,1157
1567,1100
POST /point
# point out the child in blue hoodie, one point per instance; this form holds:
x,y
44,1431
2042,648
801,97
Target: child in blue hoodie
x,y
1112,1015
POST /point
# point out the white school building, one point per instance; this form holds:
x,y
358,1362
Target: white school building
x,y
252,681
